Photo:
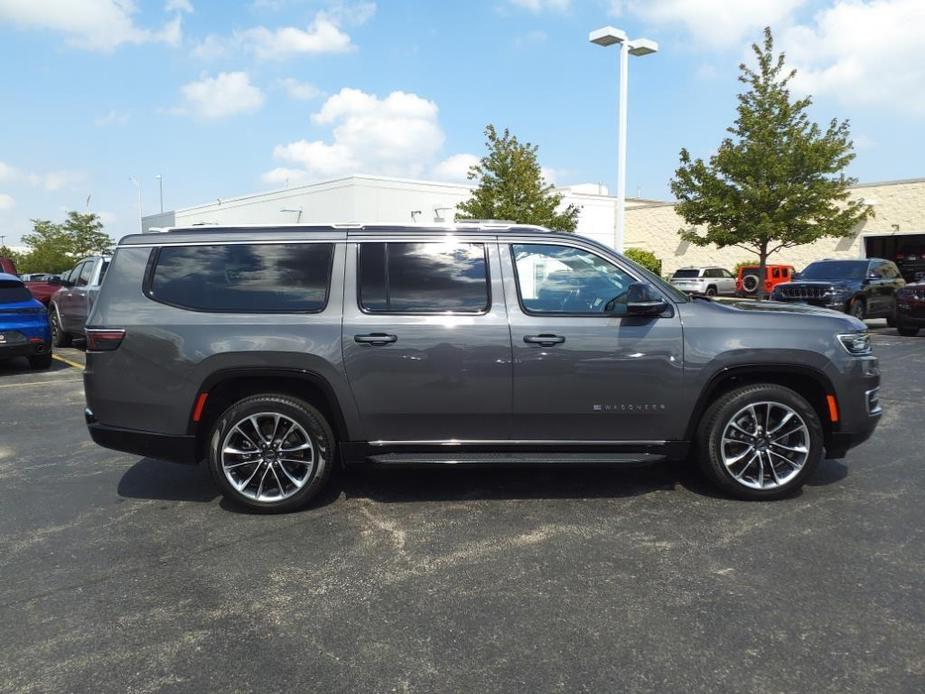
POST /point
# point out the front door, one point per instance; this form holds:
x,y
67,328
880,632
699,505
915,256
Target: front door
x,y
426,343
583,369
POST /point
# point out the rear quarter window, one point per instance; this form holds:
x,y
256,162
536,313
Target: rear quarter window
x,y
243,278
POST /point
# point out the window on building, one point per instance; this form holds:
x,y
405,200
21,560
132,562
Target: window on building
x,y
425,277
244,278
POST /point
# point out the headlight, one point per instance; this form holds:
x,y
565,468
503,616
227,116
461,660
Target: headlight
x,y
856,343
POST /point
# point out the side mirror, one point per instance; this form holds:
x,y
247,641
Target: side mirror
x,y
642,300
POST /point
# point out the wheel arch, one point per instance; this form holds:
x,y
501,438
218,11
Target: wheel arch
x,y
227,386
809,382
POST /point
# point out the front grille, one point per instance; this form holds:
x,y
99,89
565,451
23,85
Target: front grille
x,y
802,292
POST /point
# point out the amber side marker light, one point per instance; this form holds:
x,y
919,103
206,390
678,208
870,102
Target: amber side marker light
x,y
200,406
833,407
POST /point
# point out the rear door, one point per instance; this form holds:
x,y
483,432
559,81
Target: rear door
x,y
726,282
426,342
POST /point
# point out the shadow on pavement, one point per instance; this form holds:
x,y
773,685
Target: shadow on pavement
x,y
154,479
20,365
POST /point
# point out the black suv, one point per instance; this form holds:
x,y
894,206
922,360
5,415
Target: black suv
x,y
863,288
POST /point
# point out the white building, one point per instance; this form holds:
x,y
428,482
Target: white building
x,y
373,200
898,223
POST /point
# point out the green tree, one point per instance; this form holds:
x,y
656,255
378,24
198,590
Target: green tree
x,y
645,258
48,248
55,247
511,187
85,235
779,181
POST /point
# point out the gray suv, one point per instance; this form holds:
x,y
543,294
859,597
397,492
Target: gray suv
x,y
69,306
278,352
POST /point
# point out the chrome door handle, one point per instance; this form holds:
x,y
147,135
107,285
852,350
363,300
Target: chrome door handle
x,y
375,339
544,340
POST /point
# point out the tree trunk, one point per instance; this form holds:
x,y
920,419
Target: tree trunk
x,y
762,269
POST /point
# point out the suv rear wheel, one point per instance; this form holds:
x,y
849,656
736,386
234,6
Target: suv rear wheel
x,y
760,441
271,453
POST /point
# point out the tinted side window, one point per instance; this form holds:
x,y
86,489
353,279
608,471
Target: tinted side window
x,y
428,277
254,278
565,280
85,271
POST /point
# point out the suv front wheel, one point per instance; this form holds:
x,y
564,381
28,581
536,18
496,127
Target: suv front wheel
x,y
271,453
760,441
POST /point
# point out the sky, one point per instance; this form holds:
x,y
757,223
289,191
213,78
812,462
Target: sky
x,y
99,97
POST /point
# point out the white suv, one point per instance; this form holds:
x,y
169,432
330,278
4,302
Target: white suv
x,y
710,281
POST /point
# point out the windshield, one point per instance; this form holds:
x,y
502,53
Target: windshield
x,y
835,270
686,273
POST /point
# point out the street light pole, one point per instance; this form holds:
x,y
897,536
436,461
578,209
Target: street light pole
x,y
607,36
141,224
160,186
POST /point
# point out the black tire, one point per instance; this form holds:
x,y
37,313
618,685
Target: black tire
x,y
858,308
711,291
40,361
59,338
312,422
907,330
718,416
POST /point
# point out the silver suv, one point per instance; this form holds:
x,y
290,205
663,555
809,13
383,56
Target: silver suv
x,y
69,306
709,281
276,353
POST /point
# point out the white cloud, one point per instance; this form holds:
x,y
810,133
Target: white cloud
x,y
541,5
7,202
178,6
712,23
97,25
64,178
114,117
862,53
455,168
398,136
50,180
227,94
301,91
7,172
323,35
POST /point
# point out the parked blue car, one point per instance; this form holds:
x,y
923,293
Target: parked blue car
x,y
24,329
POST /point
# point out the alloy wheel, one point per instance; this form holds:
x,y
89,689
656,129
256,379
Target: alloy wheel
x,y
765,445
267,456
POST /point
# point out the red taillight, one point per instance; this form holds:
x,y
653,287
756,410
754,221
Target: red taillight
x,y
100,340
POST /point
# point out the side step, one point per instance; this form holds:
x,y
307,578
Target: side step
x,y
500,459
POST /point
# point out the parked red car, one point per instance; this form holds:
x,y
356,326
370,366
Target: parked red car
x,y
910,309
748,278
8,266
42,290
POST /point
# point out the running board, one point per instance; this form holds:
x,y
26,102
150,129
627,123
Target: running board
x,y
500,459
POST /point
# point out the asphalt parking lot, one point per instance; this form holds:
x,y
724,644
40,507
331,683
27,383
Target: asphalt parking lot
x,y
127,574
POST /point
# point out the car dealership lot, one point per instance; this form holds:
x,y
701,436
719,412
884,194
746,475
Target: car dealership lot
x,y
122,573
